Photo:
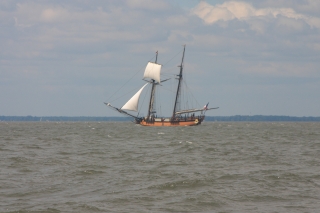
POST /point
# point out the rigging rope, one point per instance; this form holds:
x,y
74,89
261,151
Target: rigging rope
x,y
142,102
127,82
183,97
173,58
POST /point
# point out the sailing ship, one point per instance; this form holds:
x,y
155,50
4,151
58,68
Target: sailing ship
x,y
185,117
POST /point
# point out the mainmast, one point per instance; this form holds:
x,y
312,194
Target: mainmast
x,y
153,89
177,101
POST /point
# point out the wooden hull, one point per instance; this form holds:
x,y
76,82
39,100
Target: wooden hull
x,y
166,122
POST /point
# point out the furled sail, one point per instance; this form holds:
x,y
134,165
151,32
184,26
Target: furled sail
x,y
152,71
194,110
132,104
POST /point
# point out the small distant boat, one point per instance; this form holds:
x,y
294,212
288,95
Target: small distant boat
x,y
185,117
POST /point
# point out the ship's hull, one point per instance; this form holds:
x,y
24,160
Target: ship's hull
x,y
176,122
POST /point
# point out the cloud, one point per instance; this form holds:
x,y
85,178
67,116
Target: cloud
x,y
275,41
51,15
147,4
278,68
244,11
310,7
65,29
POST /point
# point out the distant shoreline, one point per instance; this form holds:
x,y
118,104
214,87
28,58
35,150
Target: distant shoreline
x,y
235,118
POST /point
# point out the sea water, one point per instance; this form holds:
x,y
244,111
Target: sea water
x,y
123,167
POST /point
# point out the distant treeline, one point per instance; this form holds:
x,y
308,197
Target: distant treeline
x,y
272,118
61,118
247,118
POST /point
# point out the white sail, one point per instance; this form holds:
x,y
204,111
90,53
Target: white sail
x,y
132,104
152,71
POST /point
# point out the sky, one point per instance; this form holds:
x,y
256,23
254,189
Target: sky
x,y
66,58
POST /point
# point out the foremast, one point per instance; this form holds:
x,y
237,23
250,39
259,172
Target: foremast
x,y
151,110
180,77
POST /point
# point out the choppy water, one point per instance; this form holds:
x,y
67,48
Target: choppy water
x,y
122,167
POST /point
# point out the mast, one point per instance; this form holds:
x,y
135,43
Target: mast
x,y
179,85
153,89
